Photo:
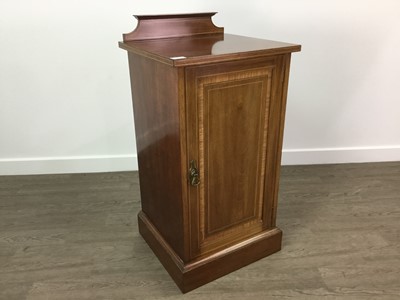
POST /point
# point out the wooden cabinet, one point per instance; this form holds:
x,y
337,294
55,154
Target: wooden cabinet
x,y
209,113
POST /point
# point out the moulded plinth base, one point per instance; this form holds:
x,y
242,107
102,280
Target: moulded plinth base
x,y
189,276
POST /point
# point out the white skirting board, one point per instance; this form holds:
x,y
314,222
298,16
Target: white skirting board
x,y
340,155
128,162
73,164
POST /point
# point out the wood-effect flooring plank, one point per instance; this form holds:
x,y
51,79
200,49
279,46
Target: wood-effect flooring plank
x,y
75,236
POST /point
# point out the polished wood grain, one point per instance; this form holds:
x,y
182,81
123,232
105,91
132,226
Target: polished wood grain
x,y
168,26
228,115
209,131
157,127
207,49
203,270
75,236
278,111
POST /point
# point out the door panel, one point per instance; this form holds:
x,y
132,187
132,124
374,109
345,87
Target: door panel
x,y
228,109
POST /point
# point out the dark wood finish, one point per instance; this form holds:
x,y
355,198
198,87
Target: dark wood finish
x,y
228,123
199,50
277,114
156,113
201,271
168,26
220,111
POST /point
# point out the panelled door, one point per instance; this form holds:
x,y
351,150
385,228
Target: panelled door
x,y
230,131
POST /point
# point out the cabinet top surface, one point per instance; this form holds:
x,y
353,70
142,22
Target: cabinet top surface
x,y
194,50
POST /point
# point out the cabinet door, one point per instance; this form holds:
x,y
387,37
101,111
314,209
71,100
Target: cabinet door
x,y
233,115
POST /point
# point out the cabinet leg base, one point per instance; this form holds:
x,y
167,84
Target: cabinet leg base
x,y
189,276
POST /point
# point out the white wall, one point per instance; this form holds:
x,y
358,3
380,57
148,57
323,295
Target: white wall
x,y
343,103
65,103
64,85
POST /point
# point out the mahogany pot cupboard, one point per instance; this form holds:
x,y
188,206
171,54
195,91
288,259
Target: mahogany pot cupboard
x,y
209,111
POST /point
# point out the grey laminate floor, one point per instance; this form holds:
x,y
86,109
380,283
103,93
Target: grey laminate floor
x,y
75,237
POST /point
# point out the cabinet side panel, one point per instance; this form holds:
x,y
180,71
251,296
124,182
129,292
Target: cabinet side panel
x,y
156,113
